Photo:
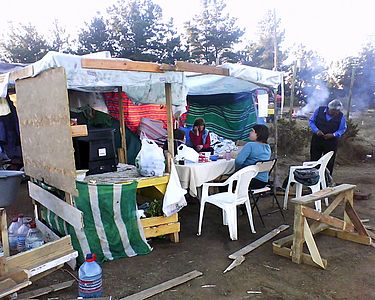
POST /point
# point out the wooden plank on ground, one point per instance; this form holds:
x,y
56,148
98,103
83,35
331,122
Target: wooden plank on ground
x,y
245,250
79,130
68,213
164,286
47,290
120,64
328,192
196,68
13,282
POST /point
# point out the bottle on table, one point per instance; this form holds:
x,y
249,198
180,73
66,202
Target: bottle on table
x,y
21,236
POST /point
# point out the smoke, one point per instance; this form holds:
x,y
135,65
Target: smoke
x,y
318,97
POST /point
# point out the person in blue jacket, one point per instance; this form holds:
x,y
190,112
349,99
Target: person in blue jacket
x,y
327,124
255,150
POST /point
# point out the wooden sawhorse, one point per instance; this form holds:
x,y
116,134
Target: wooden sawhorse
x,y
350,228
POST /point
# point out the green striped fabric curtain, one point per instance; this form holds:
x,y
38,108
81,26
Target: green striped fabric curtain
x,y
112,229
232,120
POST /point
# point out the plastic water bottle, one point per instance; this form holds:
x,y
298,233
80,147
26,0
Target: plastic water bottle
x,y
34,237
20,220
90,278
12,233
228,155
21,236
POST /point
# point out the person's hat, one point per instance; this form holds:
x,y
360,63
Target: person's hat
x,y
335,104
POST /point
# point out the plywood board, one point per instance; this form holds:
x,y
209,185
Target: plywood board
x,y
46,137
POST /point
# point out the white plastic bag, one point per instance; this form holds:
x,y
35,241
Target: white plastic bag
x,y
174,198
186,153
150,159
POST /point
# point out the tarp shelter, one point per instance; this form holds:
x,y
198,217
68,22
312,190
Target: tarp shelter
x,y
46,134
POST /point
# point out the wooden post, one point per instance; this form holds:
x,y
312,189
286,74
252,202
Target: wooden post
x,y
292,91
298,240
123,157
282,95
274,41
168,96
350,93
275,129
4,232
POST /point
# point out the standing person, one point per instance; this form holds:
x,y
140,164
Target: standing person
x,y
200,137
328,124
255,150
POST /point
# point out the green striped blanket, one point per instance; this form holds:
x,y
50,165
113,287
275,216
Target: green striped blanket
x,y
112,229
232,121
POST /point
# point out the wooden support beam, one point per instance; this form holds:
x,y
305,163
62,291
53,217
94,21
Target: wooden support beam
x,y
79,130
355,219
123,155
68,213
168,97
25,72
298,239
311,245
348,236
196,68
335,222
120,64
163,286
4,231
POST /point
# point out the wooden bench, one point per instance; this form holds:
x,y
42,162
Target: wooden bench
x,y
349,228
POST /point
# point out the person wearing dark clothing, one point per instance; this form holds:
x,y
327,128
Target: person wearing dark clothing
x,y
200,137
179,139
327,124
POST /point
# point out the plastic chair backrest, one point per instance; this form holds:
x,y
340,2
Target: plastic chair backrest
x,y
244,177
323,161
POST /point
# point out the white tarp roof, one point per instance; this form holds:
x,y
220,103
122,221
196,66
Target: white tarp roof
x,y
147,87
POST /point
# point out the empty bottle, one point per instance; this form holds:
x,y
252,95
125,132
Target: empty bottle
x,y
90,278
21,236
12,233
34,237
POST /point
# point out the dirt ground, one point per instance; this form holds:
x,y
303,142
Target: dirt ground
x,y
349,274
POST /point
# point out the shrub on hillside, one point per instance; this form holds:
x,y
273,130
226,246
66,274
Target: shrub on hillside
x,y
292,137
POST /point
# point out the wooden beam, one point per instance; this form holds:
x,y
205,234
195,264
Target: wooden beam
x,y
328,192
298,239
155,221
120,65
348,236
4,231
168,98
164,286
68,213
311,245
46,290
123,156
355,219
79,130
25,72
335,222
161,230
196,68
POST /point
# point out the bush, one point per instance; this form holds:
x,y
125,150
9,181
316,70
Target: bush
x,y
292,137
351,131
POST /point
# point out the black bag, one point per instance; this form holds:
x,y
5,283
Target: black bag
x,y
307,177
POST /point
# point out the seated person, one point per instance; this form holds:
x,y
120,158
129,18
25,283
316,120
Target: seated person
x,y
200,137
255,150
179,139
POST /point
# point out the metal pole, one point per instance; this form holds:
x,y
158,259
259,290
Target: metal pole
x,y
350,93
274,41
292,90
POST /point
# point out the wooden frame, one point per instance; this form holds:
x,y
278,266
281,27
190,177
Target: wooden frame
x,y
157,226
350,228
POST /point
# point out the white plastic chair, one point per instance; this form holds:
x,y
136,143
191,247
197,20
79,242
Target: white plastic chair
x,y
228,201
322,163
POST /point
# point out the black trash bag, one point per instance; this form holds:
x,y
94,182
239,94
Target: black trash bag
x,y
308,177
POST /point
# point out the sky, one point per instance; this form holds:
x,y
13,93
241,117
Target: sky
x,y
333,28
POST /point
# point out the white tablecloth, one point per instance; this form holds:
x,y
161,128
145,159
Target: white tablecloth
x,y
194,175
